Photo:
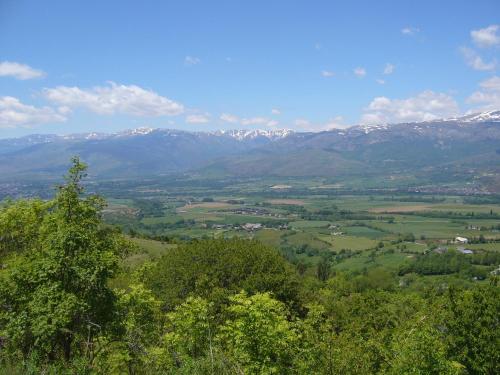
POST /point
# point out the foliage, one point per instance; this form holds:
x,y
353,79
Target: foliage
x,y
215,269
473,326
54,291
258,334
230,306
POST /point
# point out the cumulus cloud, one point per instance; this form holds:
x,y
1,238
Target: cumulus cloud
x,y
426,106
389,69
248,121
115,99
191,60
333,123
380,81
359,72
275,111
226,117
410,30
13,113
487,37
255,121
475,61
327,73
198,118
336,122
487,98
19,71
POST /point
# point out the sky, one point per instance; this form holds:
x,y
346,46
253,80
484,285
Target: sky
x,y
106,66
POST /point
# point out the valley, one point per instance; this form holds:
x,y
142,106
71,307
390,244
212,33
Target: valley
x,y
353,231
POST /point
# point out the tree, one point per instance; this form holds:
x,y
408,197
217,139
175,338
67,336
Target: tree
x,y
323,269
216,269
419,350
55,295
139,321
472,322
258,335
19,225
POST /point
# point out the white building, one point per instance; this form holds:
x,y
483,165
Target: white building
x,y
461,240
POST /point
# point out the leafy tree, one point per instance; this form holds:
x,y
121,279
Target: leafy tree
x,y
19,225
258,335
54,295
216,269
139,323
323,269
420,350
473,325
191,328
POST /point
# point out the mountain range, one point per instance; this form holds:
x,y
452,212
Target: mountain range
x,y
465,148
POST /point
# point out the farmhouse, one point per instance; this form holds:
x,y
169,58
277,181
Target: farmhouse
x,y
252,226
461,240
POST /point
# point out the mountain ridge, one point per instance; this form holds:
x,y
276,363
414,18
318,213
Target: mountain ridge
x,y
465,149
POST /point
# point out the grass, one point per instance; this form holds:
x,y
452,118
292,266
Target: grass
x,y
484,246
301,224
349,242
360,262
269,237
360,231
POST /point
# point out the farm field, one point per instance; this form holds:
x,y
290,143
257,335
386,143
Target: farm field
x,y
357,232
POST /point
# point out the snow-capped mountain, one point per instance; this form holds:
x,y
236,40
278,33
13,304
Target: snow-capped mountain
x,y
241,134
469,144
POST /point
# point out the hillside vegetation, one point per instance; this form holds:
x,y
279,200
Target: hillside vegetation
x,y
76,299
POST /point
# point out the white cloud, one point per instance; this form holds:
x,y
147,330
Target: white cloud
x,y
275,111
302,123
115,99
272,123
380,81
198,118
327,73
226,117
248,121
475,61
13,114
426,106
19,71
359,72
488,96
389,69
486,37
333,123
255,121
191,60
410,30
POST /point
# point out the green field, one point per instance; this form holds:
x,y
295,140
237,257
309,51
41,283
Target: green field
x,y
308,222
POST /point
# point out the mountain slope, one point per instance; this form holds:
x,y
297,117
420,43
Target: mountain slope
x,y
467,147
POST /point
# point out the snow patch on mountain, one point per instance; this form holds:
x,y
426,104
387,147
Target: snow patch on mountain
x,y
243,134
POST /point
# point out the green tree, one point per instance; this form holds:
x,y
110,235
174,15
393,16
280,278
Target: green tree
x,y
257,334
216,269
473,325
420,350
140,325
54,295
19,225
323,269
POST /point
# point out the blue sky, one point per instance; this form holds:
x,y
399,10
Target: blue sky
x,y
105,66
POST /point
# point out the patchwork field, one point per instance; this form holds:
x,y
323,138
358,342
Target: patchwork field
x,y
359,231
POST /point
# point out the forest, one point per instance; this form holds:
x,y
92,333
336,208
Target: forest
x,y
71,304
